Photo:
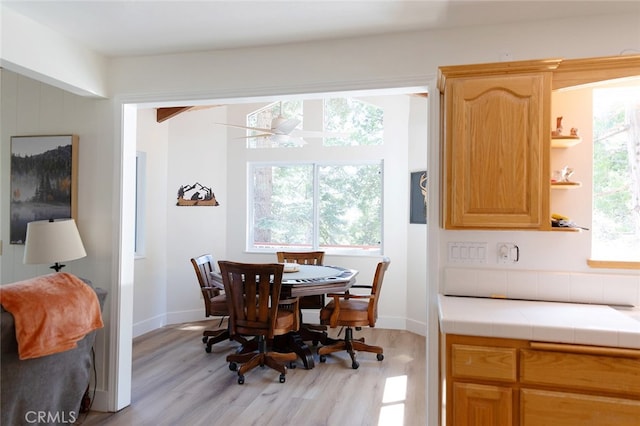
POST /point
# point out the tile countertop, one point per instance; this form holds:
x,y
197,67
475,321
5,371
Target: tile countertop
x,y
540,321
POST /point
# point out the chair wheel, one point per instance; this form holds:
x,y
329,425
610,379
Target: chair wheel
x,y
292,365
241,380
314,342
323,358
355,365
282,378
380,357
233,366
204,339
208,349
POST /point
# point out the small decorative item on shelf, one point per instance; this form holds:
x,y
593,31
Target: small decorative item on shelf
x,y
561,221
566,173
574,132
558,130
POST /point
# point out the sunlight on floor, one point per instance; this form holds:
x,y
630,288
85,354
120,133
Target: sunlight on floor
x,y
191,327
395,393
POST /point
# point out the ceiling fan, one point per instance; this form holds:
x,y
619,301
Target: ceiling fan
x,y
284,131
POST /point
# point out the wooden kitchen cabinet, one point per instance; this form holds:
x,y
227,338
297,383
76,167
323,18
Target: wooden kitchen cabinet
x,y
496,137
496,145
492,381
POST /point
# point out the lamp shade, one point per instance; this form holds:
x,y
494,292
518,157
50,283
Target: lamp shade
x,y
50,241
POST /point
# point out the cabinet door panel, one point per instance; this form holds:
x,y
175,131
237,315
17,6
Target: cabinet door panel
x,y
568,409
497,146
482,405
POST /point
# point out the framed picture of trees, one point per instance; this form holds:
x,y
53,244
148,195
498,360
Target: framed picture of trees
x,y
44,181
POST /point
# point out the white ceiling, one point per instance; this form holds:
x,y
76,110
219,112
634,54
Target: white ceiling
x,y
142,27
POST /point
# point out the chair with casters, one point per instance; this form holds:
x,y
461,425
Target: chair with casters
x,y
255,308
354,311
308,332
215,301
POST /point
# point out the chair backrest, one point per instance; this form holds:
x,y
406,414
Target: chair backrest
x,y
253,294
204,265
376,286
301,257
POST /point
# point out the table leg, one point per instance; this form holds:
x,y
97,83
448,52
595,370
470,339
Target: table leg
x,y
292,342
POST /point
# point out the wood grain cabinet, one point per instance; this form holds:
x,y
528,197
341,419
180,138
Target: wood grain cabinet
x,y
496,133
496,382
496,137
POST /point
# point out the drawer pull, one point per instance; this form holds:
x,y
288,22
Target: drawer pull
x,y
585,349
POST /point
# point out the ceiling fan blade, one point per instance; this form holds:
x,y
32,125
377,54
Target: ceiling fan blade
x,y
257,129
262,135
283,125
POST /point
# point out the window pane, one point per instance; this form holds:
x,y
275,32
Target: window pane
x,y
350,205
282,206
361,122
616,174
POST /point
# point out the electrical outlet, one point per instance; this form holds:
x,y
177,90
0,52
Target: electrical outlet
x,y
508,253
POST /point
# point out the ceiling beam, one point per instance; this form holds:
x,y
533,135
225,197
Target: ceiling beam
x,y
163,114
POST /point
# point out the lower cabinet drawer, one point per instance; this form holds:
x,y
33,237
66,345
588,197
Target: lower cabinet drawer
x,y
539,407
581,371
484,362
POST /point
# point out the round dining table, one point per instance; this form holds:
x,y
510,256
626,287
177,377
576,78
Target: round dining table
x,y
309,280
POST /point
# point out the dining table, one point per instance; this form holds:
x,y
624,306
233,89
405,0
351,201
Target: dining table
x,y
308,280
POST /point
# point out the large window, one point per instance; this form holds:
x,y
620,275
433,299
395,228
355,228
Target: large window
x,y
332,207
616,173
317,201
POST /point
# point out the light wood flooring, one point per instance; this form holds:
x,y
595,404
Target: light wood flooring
x,y
175,382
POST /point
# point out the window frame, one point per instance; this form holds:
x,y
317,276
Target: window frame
x,y
315,245
592,261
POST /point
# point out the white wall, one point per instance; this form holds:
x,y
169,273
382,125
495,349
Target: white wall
x,y
29,107
150,280
197,153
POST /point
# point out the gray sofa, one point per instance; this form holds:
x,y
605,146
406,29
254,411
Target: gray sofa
x,y
46,390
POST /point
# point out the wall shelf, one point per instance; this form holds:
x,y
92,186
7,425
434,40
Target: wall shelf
x,y
565,185
565,141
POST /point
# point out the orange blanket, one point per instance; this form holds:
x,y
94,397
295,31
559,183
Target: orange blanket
x,y
52,313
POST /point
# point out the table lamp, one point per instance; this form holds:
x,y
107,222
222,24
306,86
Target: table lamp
x,y
54,241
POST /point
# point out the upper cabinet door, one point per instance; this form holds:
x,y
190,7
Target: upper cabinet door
x,y
497,131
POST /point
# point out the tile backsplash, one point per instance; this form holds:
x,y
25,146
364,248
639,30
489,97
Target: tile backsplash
x,y
577,287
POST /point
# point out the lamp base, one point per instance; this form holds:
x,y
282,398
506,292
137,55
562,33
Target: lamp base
x,y
57,267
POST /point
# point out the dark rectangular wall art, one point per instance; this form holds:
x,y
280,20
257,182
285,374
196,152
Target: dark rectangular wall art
x,y
418,206
44,181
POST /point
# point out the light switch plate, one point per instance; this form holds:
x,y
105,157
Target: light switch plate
x,y
467,252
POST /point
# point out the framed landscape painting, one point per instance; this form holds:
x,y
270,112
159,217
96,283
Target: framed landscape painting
x,y
44,181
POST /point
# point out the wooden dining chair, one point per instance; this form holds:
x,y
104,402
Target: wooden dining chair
x,y
309,332
215,301
253,293
354,310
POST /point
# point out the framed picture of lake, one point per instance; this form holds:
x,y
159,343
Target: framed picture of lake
x,y
44,181
418,194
